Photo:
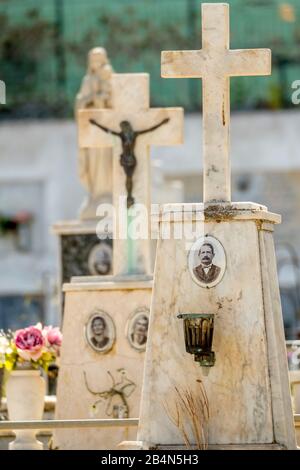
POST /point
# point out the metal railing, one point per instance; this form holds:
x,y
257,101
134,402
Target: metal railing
x,y
80,423
68,423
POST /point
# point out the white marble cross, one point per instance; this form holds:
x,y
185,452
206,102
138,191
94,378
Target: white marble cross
x,y
130,102
215,63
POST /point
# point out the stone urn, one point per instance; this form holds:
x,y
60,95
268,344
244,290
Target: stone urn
x,y
25,393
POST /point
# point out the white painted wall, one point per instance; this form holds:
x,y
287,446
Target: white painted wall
x,y
37,155
260,141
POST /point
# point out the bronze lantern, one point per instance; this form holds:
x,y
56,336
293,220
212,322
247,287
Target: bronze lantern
x,y
198,336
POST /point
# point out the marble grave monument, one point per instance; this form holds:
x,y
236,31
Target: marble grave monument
x,y
106,318
215,368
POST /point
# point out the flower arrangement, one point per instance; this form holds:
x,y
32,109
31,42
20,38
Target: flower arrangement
x,y
32,347
11,223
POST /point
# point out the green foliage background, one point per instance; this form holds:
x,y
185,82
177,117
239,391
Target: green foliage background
x,y
44,44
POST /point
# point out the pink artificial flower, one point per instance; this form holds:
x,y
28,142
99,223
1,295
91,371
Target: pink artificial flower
x,y
53,337
22,217
29,343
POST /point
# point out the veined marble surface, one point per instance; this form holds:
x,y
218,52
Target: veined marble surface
x,y
244,390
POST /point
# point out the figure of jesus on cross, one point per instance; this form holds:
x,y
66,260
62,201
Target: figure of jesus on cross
x,y
141,127
128,159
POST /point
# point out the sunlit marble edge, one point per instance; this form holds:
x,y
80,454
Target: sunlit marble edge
x,y
129,282
215,211
70,227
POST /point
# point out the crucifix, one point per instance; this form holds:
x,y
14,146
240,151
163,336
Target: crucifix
x,y
215,63
130,127
128,159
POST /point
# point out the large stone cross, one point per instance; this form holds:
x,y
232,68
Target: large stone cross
x,y
130,102
215,63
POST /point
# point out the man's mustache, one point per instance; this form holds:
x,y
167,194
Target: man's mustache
x,y
206,258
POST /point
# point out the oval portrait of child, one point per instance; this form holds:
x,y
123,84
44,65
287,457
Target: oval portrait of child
x,y
100,332
207,261
137,328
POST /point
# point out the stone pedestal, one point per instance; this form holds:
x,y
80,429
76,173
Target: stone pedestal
x,y
248,387
102,378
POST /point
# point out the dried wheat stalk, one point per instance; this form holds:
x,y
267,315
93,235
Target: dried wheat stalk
x,y
189,410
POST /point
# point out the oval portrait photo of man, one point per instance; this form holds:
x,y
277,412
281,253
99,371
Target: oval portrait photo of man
x,y
100,259
137,328
207,261
100,332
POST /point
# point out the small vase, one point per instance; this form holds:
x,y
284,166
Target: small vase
x,y
25,392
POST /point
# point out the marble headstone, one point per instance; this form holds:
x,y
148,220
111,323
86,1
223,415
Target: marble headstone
x,y
223,265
